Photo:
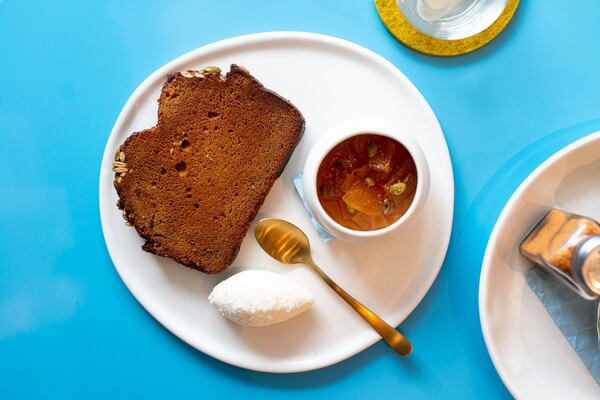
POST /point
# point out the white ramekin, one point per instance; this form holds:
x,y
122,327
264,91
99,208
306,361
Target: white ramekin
x,y
337,135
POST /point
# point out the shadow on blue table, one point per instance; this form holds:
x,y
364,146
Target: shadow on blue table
x,y
321,377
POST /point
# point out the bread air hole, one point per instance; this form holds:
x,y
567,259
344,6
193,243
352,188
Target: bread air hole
x,y
181,168
185,144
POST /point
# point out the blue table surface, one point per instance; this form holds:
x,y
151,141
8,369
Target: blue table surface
x,y
68,326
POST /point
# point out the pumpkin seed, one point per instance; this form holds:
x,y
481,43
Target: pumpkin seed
x,y
387,206
198,74
121,156
340,163
119,164
372,149
397,188
187,74
211,69
119,170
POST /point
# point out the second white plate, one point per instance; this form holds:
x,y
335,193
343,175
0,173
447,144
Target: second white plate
x,y
330,81
531,355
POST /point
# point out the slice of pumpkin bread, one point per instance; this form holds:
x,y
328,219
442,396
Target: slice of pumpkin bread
x,y
192,184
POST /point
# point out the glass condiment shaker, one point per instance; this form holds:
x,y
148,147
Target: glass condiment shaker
x,y
568,245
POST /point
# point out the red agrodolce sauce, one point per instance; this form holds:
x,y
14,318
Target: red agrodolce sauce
x,y
367,182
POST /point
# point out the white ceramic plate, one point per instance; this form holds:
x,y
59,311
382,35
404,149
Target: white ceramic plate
x,y
533,358
329,80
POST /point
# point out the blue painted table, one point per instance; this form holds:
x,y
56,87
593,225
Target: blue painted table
x,y
68,326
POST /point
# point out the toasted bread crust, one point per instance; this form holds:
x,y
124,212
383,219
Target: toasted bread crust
x,y
196,180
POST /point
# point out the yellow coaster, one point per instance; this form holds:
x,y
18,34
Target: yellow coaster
x,y
411,37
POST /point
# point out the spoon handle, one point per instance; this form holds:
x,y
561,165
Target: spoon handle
x,y
392,337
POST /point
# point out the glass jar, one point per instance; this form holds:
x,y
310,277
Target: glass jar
x,y
568,245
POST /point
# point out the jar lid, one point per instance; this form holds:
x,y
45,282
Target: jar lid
x,y
407,34
586,264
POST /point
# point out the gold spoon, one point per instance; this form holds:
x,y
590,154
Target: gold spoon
x,y
287,243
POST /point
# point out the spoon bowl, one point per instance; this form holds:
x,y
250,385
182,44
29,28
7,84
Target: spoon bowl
x,y
283,241
288,244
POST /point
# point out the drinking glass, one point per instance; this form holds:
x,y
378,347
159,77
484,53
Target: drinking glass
x,y
451,19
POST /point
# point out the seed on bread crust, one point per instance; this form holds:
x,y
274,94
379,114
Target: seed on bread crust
x,y
212,69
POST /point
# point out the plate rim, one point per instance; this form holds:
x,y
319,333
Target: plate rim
x,y
484,278
265,37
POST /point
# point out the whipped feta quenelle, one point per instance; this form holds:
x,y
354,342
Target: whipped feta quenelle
x,y
259,298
